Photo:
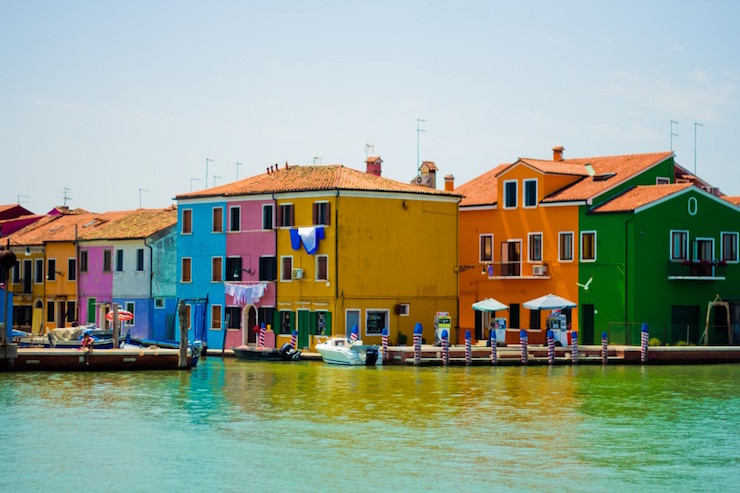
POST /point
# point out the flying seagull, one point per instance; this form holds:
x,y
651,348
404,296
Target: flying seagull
x,y
585,286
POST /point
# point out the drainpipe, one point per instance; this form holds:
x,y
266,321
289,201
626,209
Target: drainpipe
x,y
336,259
150,310
626,267
277,259
457,293
77,277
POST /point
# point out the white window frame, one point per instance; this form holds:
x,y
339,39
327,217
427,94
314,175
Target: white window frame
x,y
320,204
387,320
159,303
131,307
695,247
239,227
272,217
662,180
36,278
686,245
480,247
182,270
213,220
529,248
580,248
84,254
290,206
524,193
572,239
72,269
516,194
143,260
183,222
51,274
316,276
281,275
722,246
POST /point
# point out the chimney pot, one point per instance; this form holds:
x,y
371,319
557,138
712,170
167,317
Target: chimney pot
x,y
373,165
557,153
449,183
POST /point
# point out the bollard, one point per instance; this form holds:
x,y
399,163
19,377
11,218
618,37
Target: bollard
x,y
523,340
385,345
417,344
294,340
604,348
494,356
550,347
468,349
445,348
574,347
644,338
354,335
261,340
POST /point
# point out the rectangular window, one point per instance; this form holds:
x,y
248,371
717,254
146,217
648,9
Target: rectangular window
x,y
535,247
485,253
588,246
140,260
216,269
188,319
565,246
39,271
234,218
233,317
266,314
679,245
322,213
107,256
285,217
218,220
287,268
322,267
216,317
186,275
83,260
119,260
158,302
234,269
662,180
530,193
376,321
16,273
51,269
187,221
534,320
72,269
267,222
71,311
729,247
131,307
510,194
50,311
268,268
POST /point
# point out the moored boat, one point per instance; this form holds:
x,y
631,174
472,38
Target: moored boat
x,y
285,353
342,351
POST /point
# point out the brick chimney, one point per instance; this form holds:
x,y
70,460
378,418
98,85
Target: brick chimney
x,y
449,183
557,153
373,165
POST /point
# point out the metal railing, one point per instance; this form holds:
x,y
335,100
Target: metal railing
x,y
628,334
516,269
697,269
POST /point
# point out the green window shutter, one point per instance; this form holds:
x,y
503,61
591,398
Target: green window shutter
x,y
328,323
276,321
312,323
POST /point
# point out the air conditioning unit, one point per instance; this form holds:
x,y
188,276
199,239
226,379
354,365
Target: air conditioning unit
x,y
539,270
297,273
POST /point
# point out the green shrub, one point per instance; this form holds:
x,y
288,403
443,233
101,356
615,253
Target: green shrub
x,y
654,341
682,343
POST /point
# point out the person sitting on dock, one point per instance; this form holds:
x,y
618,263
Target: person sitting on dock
x,y
87,342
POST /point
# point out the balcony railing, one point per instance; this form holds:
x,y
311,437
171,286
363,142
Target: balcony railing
x,y
516,270
696,269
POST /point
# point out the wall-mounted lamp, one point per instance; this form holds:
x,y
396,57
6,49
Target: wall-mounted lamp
x,y
57,272
463,268
28,251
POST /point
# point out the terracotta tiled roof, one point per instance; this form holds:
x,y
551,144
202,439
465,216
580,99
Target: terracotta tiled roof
x,y
50,228
616,169
311,178
126,225
735,200
372,159
482,190
639,196
566,167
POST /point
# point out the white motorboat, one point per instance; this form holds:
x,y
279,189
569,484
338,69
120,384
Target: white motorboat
x,y
342,351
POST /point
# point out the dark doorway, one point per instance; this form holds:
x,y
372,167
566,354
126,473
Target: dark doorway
x,y
587,329
514,315
479,326
685,324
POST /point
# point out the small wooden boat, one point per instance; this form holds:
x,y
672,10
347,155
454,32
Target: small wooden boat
x,y
285,353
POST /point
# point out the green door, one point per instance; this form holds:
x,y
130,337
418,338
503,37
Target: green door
x,y
91,310
304,327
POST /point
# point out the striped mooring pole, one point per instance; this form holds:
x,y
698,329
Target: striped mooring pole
x,y
261,341
604,348
468,349
384,338
445,347
523,340
550,347
644,338
574,346
417,344
494,356
294,340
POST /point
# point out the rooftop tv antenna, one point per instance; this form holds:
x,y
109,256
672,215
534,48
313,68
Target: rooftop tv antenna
x,y
22,201
237,170
66,196
673,122
214,179
207,161
369,149
141,190
317,159
191,182
418,132
695,125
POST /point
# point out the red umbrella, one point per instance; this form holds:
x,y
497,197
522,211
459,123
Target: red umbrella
x,y
123,315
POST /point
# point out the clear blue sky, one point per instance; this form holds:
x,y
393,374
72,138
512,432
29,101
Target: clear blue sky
x,y
108,97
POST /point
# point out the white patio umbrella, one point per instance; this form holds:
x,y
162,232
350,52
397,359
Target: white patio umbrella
x,y
489,305
548,302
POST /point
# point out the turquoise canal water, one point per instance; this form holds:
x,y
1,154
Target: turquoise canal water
x,y
230,425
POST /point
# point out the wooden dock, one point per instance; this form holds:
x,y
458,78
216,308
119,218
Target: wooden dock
x,y
124,359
